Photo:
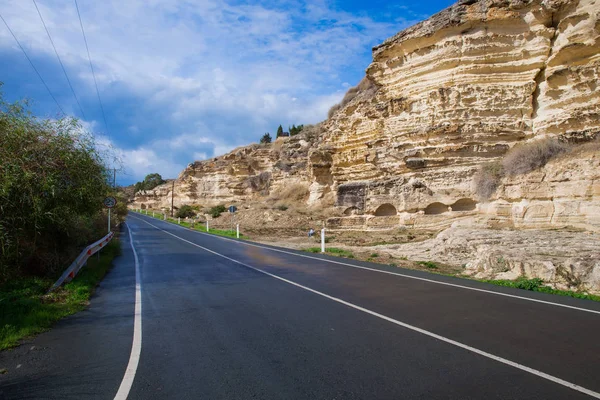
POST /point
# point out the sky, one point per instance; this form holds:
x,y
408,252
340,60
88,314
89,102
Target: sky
x,y
187,80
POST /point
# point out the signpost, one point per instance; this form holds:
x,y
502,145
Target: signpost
x,y
109,202
232,210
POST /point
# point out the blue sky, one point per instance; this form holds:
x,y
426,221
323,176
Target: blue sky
x,y
185,80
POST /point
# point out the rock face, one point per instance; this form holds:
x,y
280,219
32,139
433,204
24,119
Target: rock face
x,y
450,94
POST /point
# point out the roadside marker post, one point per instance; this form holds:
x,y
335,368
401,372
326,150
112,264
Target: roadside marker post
x,y
323,240
164,216
152,214
109,202
207,225
178,220
237,228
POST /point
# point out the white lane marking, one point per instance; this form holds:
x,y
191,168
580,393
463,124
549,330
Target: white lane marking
x,y
403,324
136,346
388,272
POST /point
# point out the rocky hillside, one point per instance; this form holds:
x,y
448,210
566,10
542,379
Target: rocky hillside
x,y
443,98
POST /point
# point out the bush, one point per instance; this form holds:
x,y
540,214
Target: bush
x,y
282,207
487,179
51,191
428,264
528,157
186,212
216,211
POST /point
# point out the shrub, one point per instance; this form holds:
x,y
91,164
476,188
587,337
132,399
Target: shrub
x,y
528,157
487,179
53,180
186,212
216,211
282,207
428,264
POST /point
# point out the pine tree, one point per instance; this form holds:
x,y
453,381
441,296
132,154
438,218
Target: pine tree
x,y
266,138
280,131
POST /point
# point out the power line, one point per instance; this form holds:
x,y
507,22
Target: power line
x,y
91,66
32,66
59,60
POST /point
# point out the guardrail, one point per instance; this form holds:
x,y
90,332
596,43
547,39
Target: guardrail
x,y
81,260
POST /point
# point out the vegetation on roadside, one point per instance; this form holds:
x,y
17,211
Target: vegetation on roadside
x,y
53,182
331,250
216,211
428,264
537,285
25,309
185,211
201,227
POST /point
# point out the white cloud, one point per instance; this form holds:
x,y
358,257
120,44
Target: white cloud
x,y
190,78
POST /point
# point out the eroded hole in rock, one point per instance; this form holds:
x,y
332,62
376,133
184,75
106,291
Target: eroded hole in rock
x,y
352,211
436,208
385,210
464,205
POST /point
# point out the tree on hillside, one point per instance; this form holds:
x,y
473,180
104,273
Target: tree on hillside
x,y
266,138
150,182
294,130
280,131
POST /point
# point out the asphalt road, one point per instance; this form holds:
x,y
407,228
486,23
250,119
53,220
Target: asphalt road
x,y
223,319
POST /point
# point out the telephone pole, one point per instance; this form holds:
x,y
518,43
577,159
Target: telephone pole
x,y
172,196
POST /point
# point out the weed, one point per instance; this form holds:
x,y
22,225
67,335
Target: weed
x,y
428,264
537,285
374,255
26,310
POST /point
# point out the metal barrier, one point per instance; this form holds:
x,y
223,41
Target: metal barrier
x,y
81,260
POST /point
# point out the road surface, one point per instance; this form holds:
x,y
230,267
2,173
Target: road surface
x,y
222,319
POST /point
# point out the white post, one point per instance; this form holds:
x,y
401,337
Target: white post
x,y
207,225
323,240
178,220
164,216
109,220
152,214
237,228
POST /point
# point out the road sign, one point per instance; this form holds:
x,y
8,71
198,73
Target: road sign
x,y
109,202
232,209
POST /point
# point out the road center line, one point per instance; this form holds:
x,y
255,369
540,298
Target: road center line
x,y
136,346
402,324
386,272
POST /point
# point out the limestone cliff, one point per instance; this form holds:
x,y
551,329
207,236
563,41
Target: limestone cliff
x,y
450,93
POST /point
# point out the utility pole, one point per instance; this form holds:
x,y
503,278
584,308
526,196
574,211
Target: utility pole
x,y
172,196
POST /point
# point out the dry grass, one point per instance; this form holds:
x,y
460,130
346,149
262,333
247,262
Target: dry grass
x,y
525,158
528,157
364,85
487,179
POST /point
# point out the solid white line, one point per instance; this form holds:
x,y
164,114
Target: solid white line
x,y
389,272
403,324
136,346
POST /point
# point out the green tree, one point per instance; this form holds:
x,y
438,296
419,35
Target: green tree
x,y
53,180
279,131
186,211
266,138
150,182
